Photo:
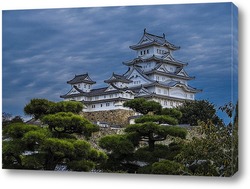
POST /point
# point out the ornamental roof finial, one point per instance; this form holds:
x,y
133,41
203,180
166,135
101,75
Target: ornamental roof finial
x,y
163,35
144,30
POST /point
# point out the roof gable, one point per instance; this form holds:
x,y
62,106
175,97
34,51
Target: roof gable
x,y
161,68
135,73
117,78
110,88
182,72
142,92
150,39
83,78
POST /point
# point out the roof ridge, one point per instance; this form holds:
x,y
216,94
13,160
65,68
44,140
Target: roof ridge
x,y
81,74
99,88
162,37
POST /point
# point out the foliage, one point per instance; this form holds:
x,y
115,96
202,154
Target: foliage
x,y
118,145
167,167
41,107
152,132
198,110
161,152
145,155
67,106
228,109
160,119
212,155
7,119
172,112
63,122
143,106
38,107
33,147
60,143
120,150
126,152
17,130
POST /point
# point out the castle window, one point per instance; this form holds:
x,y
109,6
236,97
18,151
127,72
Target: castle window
x,y
107,104
147,51
111,96
137,82
144,51
159,90
141,52
104,96
101,105
93,106
171,103
84,85
97,97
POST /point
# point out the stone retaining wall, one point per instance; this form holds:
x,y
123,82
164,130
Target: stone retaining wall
x,y
113,117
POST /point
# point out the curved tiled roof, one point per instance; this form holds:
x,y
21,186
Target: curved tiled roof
x,y
83,78
154,58
172,75
117,78
152,39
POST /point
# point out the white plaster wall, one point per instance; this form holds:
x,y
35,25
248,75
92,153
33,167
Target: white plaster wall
x,y
105,106
178,92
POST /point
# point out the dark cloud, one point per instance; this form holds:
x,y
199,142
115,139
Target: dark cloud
x,y
42,49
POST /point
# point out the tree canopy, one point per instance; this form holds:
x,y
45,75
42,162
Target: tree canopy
x,y
41,107
67,122
47,147
152,132
198,110
153,145
143,106
35,147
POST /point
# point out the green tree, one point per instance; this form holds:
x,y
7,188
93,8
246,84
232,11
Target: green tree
x,y
34,147
160,119
167,167
198,110
214,154
67,122
120,151
143,106
151,132
38,108
172,112
41,107
67,106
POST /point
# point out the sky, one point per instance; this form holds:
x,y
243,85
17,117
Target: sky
x,y
44,48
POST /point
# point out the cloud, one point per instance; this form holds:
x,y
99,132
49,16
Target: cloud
x,y
42,49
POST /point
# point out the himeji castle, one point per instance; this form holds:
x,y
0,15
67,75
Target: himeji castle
x,y
154,74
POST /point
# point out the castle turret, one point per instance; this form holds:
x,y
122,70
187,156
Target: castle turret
x,y
151,44
82,82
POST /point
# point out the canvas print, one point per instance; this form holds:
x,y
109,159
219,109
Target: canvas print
x,y
129,89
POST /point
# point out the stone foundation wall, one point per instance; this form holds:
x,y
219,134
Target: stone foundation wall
x,y
113,117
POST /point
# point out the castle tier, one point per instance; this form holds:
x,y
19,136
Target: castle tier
x,y
154,74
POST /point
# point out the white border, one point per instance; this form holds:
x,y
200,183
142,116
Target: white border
x,y
61,180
